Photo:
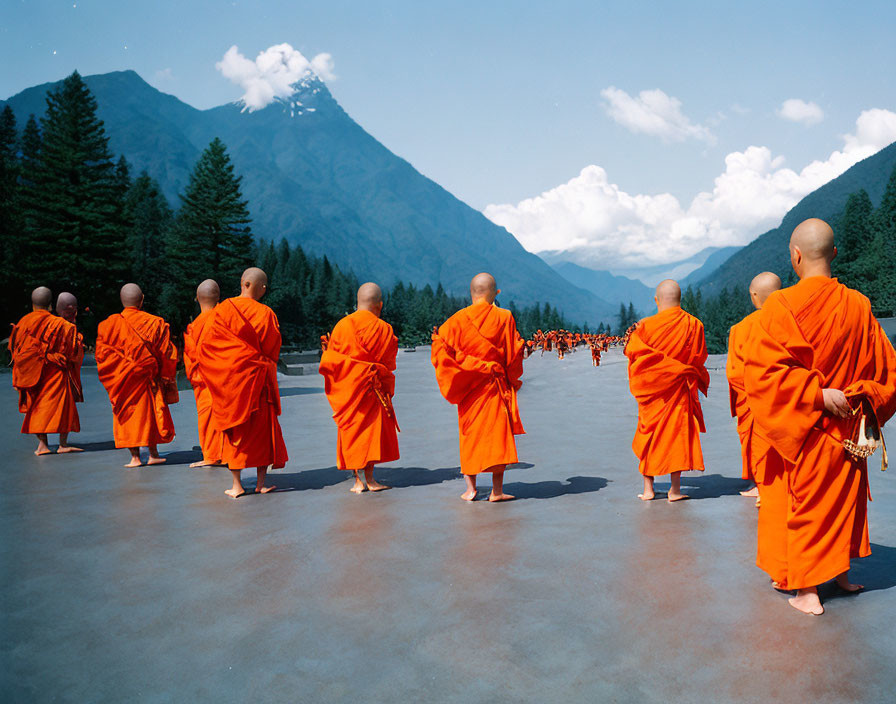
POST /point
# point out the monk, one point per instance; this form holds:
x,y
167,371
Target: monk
x,y
819,356
238,363
211,441
358,366
478,357
137,364
739,337
45,356
666,354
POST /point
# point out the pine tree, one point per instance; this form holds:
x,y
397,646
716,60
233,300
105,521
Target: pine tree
x,y
211,237
73,214
149,219
880,258
10,218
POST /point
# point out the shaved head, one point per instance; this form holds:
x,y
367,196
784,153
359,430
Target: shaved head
x,y
67,306
131,296
370,297
812,248
762,286
668,294
208,291
253,283
42,298
483,286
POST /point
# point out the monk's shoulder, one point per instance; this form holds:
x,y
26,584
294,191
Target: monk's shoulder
x,y
856,298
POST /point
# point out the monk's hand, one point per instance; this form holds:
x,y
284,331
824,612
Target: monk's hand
x,y
835,403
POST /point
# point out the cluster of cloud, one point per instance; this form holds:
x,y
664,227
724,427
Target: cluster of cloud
x,y
796,110
655,113
273,72
603,225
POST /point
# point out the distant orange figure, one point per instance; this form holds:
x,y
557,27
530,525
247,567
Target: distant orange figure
x,y
666,371
820,363
324,342
753,448
211,440
46,353
478,358
238,362
358,368
137,364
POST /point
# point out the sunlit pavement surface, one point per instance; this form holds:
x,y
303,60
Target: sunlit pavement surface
x,y
150,585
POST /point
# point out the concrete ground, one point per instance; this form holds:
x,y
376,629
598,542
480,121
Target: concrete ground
x,y
150,585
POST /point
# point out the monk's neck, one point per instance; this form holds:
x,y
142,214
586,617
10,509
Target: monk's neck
x,y
664,308
35,309
207,307
823,272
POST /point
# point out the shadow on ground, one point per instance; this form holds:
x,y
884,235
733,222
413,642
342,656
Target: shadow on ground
x,y
553,489
396,477
709,486
95,446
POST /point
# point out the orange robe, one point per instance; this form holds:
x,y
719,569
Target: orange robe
x,y
478,358
210,440
136,362
358,366
46,354
817,334
238,363
666,354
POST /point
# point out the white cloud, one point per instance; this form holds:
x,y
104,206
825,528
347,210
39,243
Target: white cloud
x,y
273,72
164,75
797,110
654,113
606,227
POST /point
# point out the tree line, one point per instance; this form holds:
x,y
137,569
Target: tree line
x,y
74,218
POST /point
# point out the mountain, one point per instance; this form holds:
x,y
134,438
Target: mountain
x,y
769,252
716,259
612,289
707,259
314,177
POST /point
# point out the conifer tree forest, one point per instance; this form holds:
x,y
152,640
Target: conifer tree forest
x,y
73,217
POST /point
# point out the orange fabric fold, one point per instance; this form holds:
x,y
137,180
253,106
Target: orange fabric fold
x,y
135,358
815,335
46,355
358,367
754,447
237,360
478,358
666,371
211,440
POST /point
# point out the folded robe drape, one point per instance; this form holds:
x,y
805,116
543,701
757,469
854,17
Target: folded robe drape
x,y
666,371
46,354
238,363
358,366
478,358
818,334
135,358
211,440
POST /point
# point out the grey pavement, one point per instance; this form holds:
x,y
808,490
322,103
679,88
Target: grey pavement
x,y
150,585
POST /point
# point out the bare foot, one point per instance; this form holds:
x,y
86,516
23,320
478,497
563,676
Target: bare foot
x,y
266,489
500,497
68,448
43,451
156,460
235,493
752,493
847,586
358,488
676,497
203,463
807,601
468,496
376,486
647,496
134,463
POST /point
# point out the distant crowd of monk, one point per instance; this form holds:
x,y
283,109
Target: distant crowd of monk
x,y
564,341
812,378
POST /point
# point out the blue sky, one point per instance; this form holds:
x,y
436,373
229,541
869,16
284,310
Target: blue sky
x,y
502,101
